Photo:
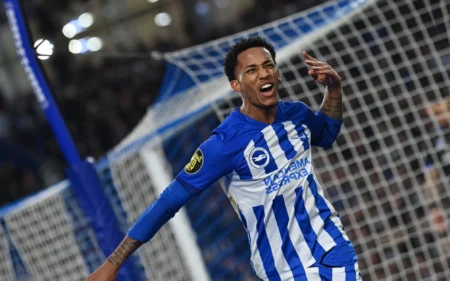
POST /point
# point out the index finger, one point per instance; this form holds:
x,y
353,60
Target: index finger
x,y
307,56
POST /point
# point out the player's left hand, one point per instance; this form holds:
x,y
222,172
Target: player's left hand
x,y
322,72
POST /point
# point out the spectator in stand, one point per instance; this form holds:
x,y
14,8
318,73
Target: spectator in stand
x,y
437,171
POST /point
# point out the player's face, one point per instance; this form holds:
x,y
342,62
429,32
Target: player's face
x,y
257,78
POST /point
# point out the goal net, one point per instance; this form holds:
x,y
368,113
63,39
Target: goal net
x,y
387,174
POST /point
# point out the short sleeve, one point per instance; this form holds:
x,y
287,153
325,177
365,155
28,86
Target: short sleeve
x,y
211,161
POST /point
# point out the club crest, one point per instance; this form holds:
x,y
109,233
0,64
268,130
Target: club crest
x,y
259,157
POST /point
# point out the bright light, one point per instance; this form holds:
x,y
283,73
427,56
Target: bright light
x,y
69,30
152,1
94,44
163,19
86,20
44,48
75,46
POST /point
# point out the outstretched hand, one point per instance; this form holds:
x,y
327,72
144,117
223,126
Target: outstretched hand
x,y
322,72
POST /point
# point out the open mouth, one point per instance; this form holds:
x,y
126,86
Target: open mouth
x,y
266,89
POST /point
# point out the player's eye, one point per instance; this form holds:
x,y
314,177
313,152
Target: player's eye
x,y
250,70
269,65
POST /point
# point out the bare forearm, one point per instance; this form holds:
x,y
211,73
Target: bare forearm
x,y
332,102
123,251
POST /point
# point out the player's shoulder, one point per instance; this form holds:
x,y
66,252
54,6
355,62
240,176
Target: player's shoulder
x,y
233,133
293,105
232,127
294,109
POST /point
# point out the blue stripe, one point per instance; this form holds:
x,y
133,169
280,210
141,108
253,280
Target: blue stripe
x,y
289,252
243,170
325,213
350,273
244,223
325,273
285,144
272,166
305,225
263,245
302,135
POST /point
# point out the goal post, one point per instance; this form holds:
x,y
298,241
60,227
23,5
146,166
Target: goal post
x,y
85,183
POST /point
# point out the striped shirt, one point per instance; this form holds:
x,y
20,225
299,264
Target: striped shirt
x,y
266,171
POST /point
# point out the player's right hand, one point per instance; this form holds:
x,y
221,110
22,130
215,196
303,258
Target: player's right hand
x,y
106,272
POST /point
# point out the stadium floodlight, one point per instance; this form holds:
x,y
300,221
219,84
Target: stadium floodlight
x,y
163,19
94,44
78,25
44,48
70,30
86,20
76,46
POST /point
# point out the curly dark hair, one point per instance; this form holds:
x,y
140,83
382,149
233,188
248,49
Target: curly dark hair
x,y
242,45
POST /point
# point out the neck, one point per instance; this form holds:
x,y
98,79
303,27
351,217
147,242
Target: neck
x,y
259,113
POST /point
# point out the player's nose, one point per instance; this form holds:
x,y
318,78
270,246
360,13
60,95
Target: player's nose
x,y
263,73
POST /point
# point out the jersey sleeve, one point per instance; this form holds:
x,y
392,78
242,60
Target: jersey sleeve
x,y
324,129
211,161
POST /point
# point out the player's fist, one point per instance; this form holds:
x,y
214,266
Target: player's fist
x,y
322,72
106,272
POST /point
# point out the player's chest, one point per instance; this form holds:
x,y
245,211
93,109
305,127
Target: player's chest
x,y
275,148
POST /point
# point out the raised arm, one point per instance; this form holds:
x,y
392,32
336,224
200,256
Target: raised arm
x,y
328,119
325,75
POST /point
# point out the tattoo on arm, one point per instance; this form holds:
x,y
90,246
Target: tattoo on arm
x,y
332,103
124,250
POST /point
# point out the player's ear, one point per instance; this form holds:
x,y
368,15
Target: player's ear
x,y
279,75
235,85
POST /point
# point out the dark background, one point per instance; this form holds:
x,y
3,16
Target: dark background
x,y
102,95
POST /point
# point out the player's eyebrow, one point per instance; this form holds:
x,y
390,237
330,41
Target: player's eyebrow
x,y
255,65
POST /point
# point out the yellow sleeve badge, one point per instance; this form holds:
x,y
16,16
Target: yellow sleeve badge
x,y
195,164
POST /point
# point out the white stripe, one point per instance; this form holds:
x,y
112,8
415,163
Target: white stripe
x,y
293,136
254,171
295,233
274,237
317,223
312,274
338,273
274,146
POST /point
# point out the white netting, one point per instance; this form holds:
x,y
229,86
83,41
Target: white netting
x,y
388,172
6,267
52,238
161,258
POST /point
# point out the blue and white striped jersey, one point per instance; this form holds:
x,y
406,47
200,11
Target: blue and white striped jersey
x,y
266,171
